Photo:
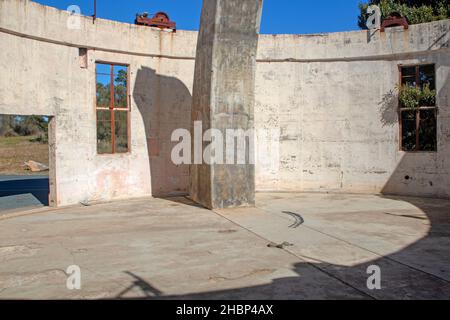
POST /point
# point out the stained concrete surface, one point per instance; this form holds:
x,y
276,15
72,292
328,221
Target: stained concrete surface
x,y
299,80
170,249
223,100
18,192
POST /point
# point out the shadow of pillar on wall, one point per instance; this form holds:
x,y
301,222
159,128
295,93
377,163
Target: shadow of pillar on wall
x,y
165,105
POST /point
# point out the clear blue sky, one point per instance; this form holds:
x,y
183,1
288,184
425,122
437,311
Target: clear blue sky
x,y
279,16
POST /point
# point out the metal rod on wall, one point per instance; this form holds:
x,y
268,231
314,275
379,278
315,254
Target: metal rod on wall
x,y
95,11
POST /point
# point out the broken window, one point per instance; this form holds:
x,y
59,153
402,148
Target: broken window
x,y
419,123
112,108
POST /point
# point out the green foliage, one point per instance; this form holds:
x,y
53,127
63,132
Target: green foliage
x,y
122,77
409,97
428,97
415,97
415,11
104,130
31,125
25,126
7,124
103,95
120,89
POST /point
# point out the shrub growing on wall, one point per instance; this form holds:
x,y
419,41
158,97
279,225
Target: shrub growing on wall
x,y
415,97
416,11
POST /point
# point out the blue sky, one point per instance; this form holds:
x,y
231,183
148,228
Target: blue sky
x,y
279,16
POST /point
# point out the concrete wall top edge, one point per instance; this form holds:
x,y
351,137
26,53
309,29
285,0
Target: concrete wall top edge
x,y
29,19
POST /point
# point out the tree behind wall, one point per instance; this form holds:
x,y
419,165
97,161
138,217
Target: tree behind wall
x,y
11,125
416,11
104,130
7,123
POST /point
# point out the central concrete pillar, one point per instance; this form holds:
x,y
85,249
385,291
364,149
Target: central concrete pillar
x,y
223,100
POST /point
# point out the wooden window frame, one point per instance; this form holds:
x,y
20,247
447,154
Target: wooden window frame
x,y
112,107
421,108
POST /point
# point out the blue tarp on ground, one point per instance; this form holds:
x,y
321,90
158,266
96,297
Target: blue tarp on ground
x,y
18,192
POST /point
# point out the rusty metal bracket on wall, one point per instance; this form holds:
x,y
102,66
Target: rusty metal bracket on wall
x,y
160,20
394,20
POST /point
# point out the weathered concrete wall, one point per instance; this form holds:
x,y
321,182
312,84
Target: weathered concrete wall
x,y
329,94
224,98
324,92
41,74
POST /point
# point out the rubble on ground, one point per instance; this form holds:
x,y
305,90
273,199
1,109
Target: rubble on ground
x,y
34,166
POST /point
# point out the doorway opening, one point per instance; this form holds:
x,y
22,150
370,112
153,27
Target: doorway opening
x,y
26,158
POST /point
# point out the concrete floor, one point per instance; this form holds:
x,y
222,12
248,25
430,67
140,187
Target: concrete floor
x,y
169,249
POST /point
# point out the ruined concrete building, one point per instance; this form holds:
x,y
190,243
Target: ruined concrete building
x,y
332,98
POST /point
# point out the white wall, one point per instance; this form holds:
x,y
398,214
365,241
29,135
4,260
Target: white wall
x,y
324,92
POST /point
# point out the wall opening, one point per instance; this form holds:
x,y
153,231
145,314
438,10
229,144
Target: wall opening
x,y
112,105
27,177
418,111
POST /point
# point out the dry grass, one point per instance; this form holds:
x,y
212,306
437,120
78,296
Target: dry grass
x,y
14,151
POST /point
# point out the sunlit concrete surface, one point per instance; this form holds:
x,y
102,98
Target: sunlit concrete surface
x,y
169,249
326,101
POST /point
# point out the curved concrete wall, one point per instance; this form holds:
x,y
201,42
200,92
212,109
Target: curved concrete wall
x,y
329,94
324,93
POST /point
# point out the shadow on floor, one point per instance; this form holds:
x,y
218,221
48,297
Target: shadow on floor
x,y
139,284
23,191
182,200
418,271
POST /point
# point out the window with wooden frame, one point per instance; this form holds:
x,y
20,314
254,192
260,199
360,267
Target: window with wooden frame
x,y
418,124
112,108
